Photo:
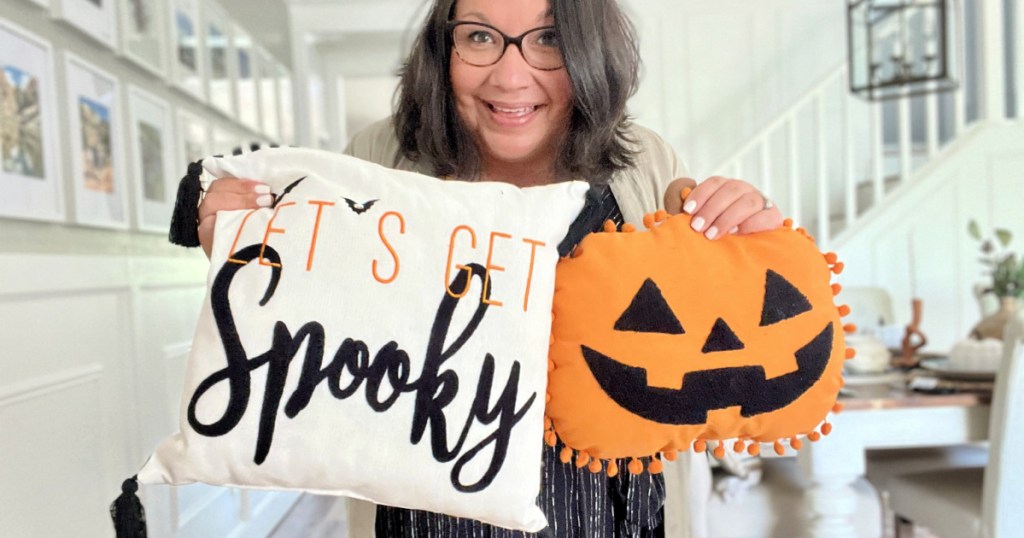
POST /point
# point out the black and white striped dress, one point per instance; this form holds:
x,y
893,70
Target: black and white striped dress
x,y
577,503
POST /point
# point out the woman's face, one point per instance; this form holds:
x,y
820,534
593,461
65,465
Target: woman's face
x,y
517,114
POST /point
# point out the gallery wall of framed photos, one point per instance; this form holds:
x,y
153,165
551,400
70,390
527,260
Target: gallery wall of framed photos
x,y
103,103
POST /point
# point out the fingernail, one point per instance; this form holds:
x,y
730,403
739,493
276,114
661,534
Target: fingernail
x,y
711,233
734,229
261,189
689,206
265,201
697,223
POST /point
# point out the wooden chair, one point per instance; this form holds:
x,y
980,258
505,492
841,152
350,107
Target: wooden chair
x,y
981,502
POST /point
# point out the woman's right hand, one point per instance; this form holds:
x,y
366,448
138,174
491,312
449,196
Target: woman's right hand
x,y
228,194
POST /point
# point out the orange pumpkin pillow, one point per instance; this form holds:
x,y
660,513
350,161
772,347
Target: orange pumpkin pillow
x,y
663,339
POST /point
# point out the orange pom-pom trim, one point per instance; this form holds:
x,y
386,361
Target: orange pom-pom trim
x,y
719,451
836,288
566,455
826,428
700,445
739,446
838,408
814,437
550,438
831,258
636,466
670,455
649,221
754,449
609,226
797,444
595,466
628,228
582,459
655,467
685,192
779,449
838,267
844,310
851,353
613,468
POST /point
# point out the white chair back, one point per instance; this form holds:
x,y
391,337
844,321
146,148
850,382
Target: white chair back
x,y
1003,496
870,306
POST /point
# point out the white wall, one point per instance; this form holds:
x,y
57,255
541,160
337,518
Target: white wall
x,y
717,70
364,100
980,178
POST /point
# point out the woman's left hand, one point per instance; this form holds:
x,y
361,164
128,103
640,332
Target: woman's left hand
x,y
722,206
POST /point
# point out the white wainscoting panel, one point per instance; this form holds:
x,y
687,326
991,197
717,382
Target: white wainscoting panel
x,y
54,470
94,353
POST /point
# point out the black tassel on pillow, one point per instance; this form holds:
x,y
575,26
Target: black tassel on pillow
x,y
127,512
185,219
599,207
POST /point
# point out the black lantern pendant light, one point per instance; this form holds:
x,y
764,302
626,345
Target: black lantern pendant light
x,y
901,48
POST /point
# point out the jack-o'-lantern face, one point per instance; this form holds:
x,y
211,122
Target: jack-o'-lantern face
x,y
662,337
713,388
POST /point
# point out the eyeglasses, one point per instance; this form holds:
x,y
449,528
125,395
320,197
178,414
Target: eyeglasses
x,y
481,45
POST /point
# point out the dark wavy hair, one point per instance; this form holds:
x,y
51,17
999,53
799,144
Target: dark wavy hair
x,y
602,59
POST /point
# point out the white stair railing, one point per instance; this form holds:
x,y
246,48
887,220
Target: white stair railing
x,y
854,175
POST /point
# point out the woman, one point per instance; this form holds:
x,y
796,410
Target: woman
x,y
532,92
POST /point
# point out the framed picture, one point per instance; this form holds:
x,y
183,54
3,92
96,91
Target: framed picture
x,y
142,33
187,62
152,139
220,60
96,18
286,114
194,138
248,92
94,121
267,72
29,139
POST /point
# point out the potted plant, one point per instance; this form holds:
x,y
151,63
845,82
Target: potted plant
x,y
1007,273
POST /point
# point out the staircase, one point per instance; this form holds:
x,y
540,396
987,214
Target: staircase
x,y
831,160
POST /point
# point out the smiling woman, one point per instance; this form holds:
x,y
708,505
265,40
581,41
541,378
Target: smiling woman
x,y
519,115
534,92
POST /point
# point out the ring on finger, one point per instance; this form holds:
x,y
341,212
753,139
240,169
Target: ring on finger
x,y
768,204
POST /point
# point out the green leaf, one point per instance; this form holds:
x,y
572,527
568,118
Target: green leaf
x,y
1005,236
974,230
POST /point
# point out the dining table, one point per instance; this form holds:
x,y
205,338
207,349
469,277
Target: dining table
x,y
881,411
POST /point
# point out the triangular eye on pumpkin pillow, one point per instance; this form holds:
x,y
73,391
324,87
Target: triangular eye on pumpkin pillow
x,y
662,340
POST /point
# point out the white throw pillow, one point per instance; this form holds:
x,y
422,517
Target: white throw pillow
x,y
339,352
